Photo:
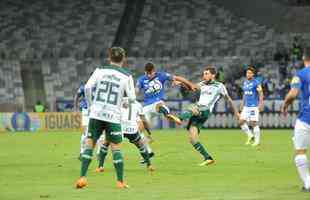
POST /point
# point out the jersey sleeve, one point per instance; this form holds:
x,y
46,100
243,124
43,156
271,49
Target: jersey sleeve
x,y
296,82
164,76
130,89
91,83
223,90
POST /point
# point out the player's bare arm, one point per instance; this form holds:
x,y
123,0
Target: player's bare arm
x,y
186,82
261,98
290,97
232,106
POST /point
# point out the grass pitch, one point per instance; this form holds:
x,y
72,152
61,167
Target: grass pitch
x,y
45,166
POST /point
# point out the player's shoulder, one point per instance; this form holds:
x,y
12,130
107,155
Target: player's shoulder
x,y
162,74
303,72
123,70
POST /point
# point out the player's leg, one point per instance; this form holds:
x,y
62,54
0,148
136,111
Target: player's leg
x,y
102,152
257,133
95,129
115,137
137,141
163,109
244,126
189,112
194,125
85,120
301,141
145,140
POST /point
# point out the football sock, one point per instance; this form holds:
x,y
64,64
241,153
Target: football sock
x,y
82,141
256,131
200,148
145,155
102,154
302,165
164,110
246,129
85,159
118,164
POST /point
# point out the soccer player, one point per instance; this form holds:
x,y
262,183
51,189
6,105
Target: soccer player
x,y
80,103
112,83
251,105
153,86
300,85
131,114
210,92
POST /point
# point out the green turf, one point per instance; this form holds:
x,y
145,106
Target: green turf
x,y
45,166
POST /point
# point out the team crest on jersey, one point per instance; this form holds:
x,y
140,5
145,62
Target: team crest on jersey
x,y
154,86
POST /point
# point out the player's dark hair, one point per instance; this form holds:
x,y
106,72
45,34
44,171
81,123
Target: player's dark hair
x,y
306,55
149,67
252,69
117,54
211,69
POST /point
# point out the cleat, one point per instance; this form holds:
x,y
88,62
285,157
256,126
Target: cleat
x,y
99,169
81,183
174,118
249,140
303,189
150,168
152,154
255,144
207,162
121,185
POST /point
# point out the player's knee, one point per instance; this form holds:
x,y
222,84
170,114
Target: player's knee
x,y
301,151
89,144
115,146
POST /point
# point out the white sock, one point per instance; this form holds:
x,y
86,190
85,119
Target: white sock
x,y
82,141
302,165
246,129
256,131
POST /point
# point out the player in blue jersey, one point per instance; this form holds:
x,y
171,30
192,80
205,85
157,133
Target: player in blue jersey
x,y
300,85
251,105
152,84
80,104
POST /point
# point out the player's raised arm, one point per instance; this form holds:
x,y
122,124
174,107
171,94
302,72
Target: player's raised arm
x,y
186,82
292,94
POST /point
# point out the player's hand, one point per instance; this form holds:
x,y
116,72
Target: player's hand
x,y
284,110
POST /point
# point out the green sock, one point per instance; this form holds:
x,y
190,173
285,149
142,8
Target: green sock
x,y
200,148
163,110
145,155
186,115
102,154
85,159
118,164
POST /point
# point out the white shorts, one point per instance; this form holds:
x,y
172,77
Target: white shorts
x,y
250,114
150,111
85,117
301,138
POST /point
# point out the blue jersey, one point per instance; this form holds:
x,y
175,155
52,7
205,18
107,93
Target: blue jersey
x,y
81,95
250,93
302,82
153,89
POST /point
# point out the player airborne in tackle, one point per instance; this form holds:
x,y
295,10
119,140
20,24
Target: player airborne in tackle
x,y
210,92
112,84
152,84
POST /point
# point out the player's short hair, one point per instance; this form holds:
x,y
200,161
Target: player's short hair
x,y
149,67
117,54
252,69
306,54
211,69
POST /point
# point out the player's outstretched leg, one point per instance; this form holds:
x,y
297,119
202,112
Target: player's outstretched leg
x,y
85,161
163,109
149,150
199,147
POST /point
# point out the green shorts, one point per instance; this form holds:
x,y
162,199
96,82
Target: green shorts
x,y
113,131
198,120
